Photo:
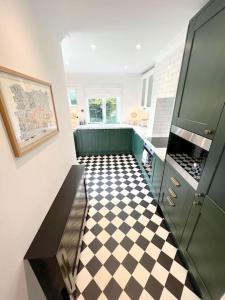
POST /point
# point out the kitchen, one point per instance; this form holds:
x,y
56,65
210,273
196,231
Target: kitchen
x,y
125,197
177,152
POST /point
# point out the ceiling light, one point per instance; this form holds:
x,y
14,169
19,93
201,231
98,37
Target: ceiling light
x,y
125,67
67,63
93,46
138,46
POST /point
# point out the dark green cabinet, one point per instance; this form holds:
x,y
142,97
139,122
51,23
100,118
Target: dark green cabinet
x,y
103,141
175,200
85,142
203,240
137,147
201,90
157,175
204,248
197,218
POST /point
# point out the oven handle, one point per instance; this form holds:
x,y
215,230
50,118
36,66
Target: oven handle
x,y
150,151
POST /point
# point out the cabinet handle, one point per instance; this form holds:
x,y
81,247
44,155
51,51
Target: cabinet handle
x,y
208,131
199,195
172,194
170,201
175,182
197,203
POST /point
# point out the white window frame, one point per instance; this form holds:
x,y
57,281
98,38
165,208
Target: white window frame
x,y
68,96
146,77
104,98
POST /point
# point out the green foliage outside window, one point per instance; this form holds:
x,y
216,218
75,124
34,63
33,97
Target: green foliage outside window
x,y
95,110
111,110
103,110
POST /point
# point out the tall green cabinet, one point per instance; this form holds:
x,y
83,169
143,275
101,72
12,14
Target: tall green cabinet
x,y
203,241
201,89
197,218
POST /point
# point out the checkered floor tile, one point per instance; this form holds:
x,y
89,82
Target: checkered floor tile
x,y
127,250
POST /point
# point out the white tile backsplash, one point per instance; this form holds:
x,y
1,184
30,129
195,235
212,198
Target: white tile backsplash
x,y
166,76
163,116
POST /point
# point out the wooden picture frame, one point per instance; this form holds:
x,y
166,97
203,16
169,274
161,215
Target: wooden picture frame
x,y
28,110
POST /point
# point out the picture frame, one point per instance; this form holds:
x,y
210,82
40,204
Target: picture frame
x,y
28,110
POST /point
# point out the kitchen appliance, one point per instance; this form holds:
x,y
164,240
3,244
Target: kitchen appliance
x,y
147,160
187,153
148,153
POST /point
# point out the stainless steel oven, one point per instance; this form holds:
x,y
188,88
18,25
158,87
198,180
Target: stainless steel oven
x,y
187,153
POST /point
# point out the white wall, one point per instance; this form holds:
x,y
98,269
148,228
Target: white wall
x,y
128,84
166,76
29,184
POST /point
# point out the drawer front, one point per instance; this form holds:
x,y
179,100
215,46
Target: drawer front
x,y
177,197
173,206
176,182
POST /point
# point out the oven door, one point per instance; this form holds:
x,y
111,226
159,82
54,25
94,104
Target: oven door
x,y
147,160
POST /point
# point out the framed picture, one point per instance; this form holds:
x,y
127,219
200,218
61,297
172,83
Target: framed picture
x,y
28,110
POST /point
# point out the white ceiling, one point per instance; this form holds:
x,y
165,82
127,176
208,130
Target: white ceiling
x,y
116,26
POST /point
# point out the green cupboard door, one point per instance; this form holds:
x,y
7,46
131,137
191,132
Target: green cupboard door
x,y
206,248
157,174
124,140
176,201
89,142
102,141
177,214
113,141
77,142
137,147
84,142
201,90
217,189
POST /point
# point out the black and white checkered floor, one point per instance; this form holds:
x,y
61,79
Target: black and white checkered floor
x,y
127,250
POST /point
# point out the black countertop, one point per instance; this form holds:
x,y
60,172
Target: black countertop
x,y
48,237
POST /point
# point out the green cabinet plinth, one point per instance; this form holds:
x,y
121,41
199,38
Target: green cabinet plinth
x,y
103,141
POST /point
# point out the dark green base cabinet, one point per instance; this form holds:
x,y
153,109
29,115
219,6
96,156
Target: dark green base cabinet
x,y
175,201
137,147
198,218
103,141
203,245
157,166
198,225
157,175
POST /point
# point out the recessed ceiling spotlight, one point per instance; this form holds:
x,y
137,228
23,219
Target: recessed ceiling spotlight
x,y
67,63
138,46
93,46
125,67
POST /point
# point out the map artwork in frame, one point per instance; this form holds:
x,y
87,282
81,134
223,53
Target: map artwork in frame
x,y
28,110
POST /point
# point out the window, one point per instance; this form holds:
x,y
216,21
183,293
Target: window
x,y
95,110
147,84
103,109
111,110
72,97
